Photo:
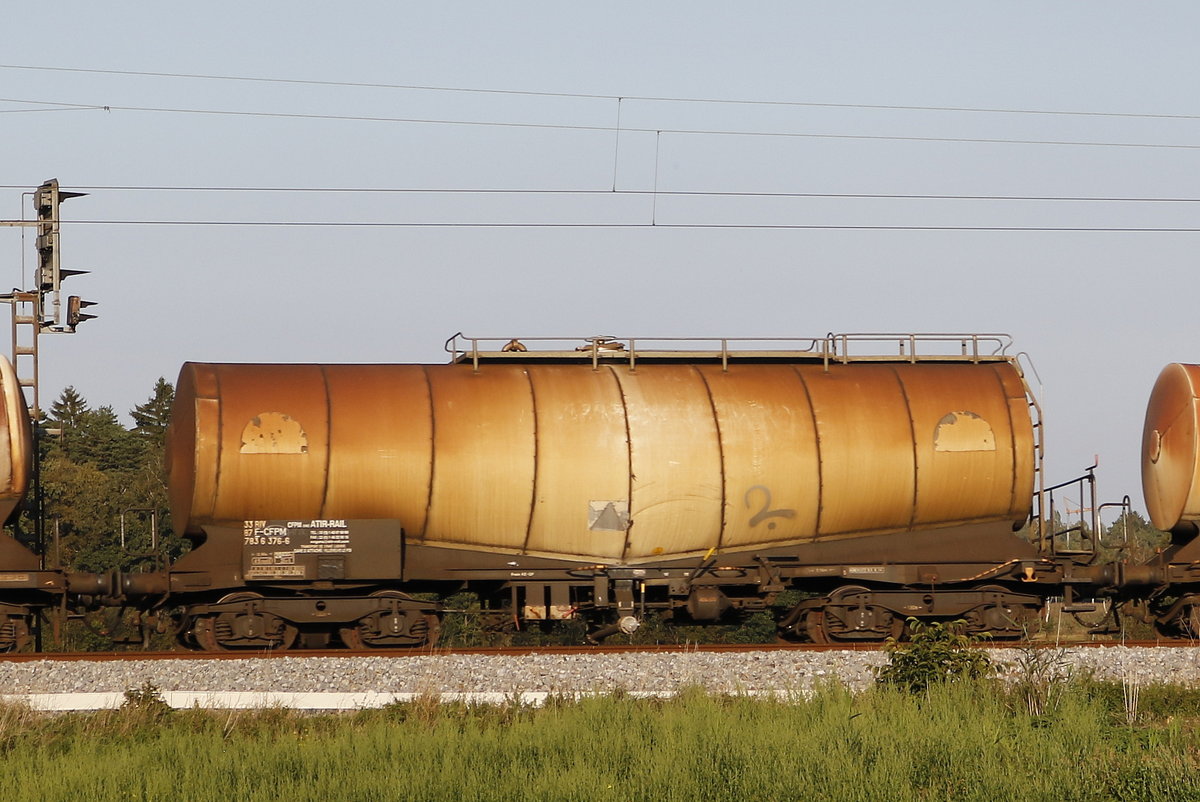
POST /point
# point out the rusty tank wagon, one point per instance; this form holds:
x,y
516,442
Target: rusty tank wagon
x,y
871,478
883,476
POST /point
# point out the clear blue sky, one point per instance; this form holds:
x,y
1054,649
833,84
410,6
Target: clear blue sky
x,y
1099,311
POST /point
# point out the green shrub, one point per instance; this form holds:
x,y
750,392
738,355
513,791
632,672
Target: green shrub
x,y
936,652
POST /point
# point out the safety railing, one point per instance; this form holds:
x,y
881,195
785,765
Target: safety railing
x,y
1065,526
1125,505
831,348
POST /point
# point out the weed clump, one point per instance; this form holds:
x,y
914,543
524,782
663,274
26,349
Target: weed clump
x,y
146,701
1042,676
936,653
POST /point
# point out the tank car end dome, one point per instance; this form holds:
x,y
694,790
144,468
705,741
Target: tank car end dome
x,y
16,441
1170,440
182,444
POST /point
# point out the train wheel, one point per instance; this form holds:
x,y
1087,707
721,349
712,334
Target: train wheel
x,y
829,624
998,619
1189,622
397,628
849,617
184,634
203,634
247,630
14,633
899,627
814,626
1182,620
424,633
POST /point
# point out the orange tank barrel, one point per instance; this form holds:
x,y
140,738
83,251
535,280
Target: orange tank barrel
x,y
16,442
613,464
1170,440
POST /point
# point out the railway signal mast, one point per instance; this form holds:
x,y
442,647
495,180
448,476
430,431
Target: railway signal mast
x,y
50,274
36,311
40,309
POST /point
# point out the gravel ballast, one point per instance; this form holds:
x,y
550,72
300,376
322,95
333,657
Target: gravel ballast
x,y
657,673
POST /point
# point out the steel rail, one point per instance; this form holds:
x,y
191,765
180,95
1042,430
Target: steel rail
x,y
510,651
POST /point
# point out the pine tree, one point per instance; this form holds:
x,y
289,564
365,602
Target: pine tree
x,y
69,408
151,418
104,442
67,414
100,470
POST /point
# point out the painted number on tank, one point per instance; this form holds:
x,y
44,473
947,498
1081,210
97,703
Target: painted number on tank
x,y
765,511
266,536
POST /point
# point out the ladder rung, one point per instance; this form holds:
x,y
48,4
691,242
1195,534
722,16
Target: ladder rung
x,y
24,319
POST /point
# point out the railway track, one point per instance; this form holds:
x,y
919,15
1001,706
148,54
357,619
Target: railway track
x,y
519,651
341,680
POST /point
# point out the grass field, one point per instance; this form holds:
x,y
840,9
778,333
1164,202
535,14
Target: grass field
x,y
962,741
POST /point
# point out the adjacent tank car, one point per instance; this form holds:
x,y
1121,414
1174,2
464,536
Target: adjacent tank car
x,y
1171,487
886,477
23,587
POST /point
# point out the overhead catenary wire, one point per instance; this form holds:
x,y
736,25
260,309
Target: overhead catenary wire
x,y
41,110
653,222
600,96
618,128
646,224
610,192
658,130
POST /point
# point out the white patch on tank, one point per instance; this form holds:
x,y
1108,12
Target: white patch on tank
x,y
273,433
963,431
608,516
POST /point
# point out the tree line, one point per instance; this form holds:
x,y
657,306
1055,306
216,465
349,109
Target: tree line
x,y
104,482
